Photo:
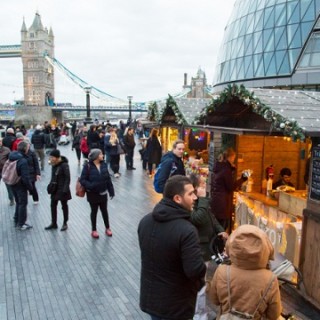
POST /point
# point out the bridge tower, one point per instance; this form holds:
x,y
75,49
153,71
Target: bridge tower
x,y
38,75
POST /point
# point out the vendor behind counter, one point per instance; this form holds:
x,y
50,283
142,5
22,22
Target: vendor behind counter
x,y
285,177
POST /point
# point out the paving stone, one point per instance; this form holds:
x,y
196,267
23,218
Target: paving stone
x,y
68,275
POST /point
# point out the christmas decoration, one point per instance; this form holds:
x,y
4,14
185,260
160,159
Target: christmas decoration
x,y
232,92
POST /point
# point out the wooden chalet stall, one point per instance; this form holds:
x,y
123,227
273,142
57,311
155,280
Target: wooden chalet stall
x,y
175,118
276,127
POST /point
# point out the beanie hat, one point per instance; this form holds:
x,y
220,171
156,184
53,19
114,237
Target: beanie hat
x,y
94,154
55,153
19,134
10,130
38,127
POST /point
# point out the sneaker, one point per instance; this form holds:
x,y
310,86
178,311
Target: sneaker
x,y
64,227
51,226
116,175
109,232
25,227
95,234
12,203
133,168
35,202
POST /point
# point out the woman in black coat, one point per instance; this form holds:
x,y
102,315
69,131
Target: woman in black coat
x,y
223,184
153,151
59,188
96,180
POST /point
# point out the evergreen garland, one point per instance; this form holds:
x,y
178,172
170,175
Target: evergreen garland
x,y
171,103
153,112
279,123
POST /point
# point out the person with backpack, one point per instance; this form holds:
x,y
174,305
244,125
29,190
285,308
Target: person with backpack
x,y
20,190
76,144
171,164
247,286
4,156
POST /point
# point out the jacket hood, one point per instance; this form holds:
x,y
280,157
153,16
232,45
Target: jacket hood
x,y
249,248
167,210
63,160
15,155
169,156
219,165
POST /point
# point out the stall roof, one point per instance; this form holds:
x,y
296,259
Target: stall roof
x,y
190,108
300,106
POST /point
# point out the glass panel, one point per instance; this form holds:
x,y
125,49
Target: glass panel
x,y
250,23
280,15
305,30
267,58
295,16
317,42
249,71
291,6
257,40
269,17
240,68
241,46
278,33
279,57
293,57
291,31
266,36
304,62
285,66
315,59
243,26
260,68
270,45
257,60
283,42
306,11
271,67
261,4
296,41
258,20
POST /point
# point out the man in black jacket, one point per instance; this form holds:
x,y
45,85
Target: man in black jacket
x,y
38,141
172,268
9,138
129,145
20,190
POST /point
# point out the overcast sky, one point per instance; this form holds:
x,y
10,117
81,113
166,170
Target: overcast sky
x,y
123,47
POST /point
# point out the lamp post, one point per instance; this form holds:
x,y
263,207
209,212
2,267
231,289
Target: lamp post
x,y
88,91
130,116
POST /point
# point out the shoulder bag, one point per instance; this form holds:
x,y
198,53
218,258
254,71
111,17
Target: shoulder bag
x,y
53,185
80,189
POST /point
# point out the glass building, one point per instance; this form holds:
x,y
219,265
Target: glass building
x,y
271,43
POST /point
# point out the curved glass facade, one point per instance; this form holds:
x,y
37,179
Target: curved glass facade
x,y
269,38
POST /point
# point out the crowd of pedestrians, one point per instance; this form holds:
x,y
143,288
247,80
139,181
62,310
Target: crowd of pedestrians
x,y
174,238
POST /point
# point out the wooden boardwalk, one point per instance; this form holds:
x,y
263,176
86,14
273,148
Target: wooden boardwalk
x,y
69,275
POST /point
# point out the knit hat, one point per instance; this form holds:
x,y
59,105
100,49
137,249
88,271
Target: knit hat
x,y
19,134
55,153
94,154
39,127
10,130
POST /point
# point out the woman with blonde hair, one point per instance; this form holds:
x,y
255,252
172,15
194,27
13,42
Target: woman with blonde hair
x,y
114,148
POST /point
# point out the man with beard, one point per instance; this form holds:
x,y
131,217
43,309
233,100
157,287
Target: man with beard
x,y
172,268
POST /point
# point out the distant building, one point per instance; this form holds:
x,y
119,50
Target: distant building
x,y
38,74
198,86
271,44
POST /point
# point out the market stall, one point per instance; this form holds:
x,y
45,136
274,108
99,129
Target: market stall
x,y
275,128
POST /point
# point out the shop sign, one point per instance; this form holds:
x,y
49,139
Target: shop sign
x,y
315,175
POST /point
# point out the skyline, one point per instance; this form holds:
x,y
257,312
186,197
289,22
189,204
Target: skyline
x,y
141,49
